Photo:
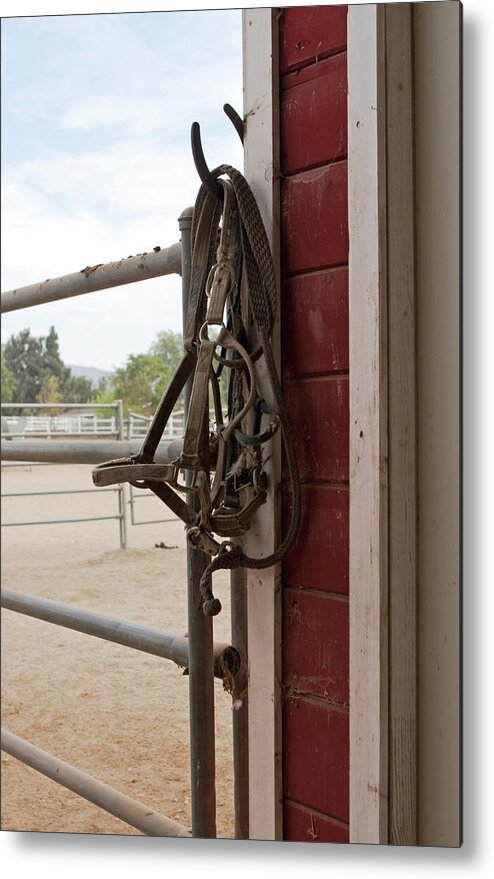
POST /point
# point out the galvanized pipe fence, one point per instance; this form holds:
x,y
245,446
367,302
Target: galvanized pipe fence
x,y
137,425
116,803
53,427
226,659
12,443
204,659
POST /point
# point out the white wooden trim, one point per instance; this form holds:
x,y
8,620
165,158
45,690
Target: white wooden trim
x,y
368,426
263,586
404,219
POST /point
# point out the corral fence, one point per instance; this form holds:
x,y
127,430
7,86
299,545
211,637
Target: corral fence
x,y
85,420
202,657
136,426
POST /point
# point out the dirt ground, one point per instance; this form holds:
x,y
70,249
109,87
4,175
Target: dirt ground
x,y
117,714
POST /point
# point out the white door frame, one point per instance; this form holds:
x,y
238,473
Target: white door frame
x,y
403,165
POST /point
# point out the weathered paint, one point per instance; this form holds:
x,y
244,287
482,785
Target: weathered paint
x,y
318,410
315,323
315,627
323,528
309,825
318,733
314,218
314,329
309,34
318,89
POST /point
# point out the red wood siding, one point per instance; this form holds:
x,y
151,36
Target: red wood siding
x,y
315,323
316,775
321,87
314,301
318,410
308,34
316,652
314,217
323,528
311,826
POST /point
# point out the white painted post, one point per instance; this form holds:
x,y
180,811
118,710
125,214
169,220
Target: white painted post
x,y
368,427
122,489
263,587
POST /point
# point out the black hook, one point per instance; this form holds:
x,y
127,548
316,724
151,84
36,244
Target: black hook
x,y
236,120
200,162
198,153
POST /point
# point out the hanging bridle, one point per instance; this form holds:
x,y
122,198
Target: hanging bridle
x,y
229,249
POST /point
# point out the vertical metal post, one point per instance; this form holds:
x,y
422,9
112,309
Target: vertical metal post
x,y
122,493
131,504
200,631
240,720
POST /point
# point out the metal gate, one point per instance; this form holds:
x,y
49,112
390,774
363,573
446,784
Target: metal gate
x,y
52,426
203,659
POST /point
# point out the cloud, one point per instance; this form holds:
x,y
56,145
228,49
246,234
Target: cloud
x,y
128,70
111,170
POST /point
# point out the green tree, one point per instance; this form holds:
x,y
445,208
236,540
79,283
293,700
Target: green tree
x,y
137,383
24,358
32,360
52,362
50,392
8,382
168,346
73,389
77,389
141,382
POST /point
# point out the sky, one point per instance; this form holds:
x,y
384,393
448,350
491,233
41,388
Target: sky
x,y
43,237
96,160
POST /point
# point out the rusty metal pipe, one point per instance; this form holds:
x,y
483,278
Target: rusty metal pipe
x,y
143,638
125,808
99,277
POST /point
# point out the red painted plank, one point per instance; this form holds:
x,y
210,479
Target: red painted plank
x,y
314,213
319,416
314,118
316,757
315,323
315,644
309,33
319,557
305,825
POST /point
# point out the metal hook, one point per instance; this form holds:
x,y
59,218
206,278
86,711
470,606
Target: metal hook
x,y
200,162
198,153
236,120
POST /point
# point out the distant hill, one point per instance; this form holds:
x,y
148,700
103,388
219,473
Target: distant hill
x,y
90,372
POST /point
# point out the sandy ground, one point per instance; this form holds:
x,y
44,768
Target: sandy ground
x,y
118,714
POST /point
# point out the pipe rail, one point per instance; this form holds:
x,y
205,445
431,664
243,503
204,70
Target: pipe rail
x,y
166,261
82,452
203,658
125,808
143,638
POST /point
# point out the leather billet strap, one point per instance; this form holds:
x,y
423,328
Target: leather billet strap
x,y
129,470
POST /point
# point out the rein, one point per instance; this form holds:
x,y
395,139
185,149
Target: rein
x,y
230,250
